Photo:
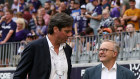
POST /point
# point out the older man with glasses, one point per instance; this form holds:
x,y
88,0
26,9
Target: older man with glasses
x,y
108,69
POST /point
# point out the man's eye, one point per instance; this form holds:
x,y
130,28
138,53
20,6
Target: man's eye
x,y
67,31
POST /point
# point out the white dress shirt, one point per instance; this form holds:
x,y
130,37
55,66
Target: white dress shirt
x,y
109,74
59,65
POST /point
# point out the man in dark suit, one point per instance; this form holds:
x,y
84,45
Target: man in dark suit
x,y
49,57
108,53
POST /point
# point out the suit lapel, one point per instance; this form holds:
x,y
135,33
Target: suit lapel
x,y
99,72
47,53
120,73
67,54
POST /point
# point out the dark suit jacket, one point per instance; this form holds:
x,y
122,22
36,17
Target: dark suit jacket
x,y
36,61
95,73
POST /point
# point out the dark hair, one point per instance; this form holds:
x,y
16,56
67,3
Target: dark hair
x,y
43,22
131,24
89,30
120,26
59,20
131,0
10,11
118,19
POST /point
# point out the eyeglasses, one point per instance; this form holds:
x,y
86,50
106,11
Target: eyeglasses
x,y
105,50
119,30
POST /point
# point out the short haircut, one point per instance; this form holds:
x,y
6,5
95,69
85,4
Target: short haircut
x,y
116,46
120,26
60,20
131,24
118,19
89,30
10,11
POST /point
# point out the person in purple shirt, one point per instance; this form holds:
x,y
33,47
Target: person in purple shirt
x,y
22,5
81,21
116,10
8,27
21,33
36,3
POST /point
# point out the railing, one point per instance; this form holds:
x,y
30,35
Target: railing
x,y
9,55
84,48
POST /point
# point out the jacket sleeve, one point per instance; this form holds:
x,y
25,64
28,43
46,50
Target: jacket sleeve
x,y
25,63
86,74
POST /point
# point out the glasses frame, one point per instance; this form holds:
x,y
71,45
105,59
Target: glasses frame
x,y
105,50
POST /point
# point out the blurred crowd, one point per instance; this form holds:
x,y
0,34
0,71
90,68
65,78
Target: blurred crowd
x,y
29,20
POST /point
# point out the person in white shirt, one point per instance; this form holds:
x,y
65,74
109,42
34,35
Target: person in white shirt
x,y
15,5
108,69
48,57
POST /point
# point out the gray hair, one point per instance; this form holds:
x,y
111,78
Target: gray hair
x,y
116,47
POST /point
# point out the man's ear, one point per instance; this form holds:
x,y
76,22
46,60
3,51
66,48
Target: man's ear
x,y
55,29
115,54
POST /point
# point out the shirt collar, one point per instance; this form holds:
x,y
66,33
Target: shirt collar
x,y
114,66
51,46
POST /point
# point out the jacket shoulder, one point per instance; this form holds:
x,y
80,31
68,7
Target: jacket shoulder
x,y
126,70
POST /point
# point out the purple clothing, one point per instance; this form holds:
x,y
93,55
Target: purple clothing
x,y
43,30
6,27
115,12
81,23
98,10
22,6
36,4
21,35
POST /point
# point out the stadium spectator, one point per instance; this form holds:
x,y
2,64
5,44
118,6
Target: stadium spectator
x,y
8,27
81,21
26,15
131,39
6,6
33,23
105,4
125,5
49,56
132,15
108,53
95,17
71,6
15,5
36,3
1,13
46,17
53,10
47,7
63,8
21,33
115,12
116,23
113,3
32,9
90,39
22,5
106,20
119,36
90,6
77,10
28,39
57,4
123,22
41,28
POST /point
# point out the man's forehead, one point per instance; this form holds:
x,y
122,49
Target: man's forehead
x,y
107,44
